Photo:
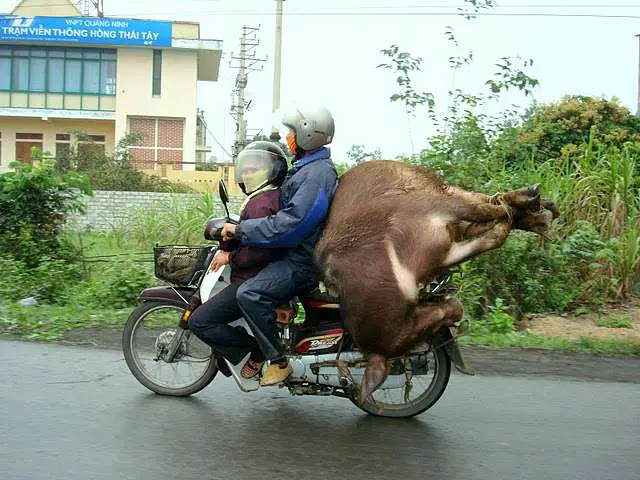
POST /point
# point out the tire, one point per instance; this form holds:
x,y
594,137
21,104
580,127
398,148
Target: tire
x,y
127,346
442,366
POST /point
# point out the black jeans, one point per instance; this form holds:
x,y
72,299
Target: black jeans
x,y
210,323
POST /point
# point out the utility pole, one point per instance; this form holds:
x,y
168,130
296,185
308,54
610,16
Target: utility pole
x,y
246,63
277,64
638,106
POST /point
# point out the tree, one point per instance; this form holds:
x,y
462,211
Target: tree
x,y
283,146
358,154
560,128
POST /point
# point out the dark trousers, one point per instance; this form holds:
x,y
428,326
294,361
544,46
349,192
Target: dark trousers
x,y
210,323
273,286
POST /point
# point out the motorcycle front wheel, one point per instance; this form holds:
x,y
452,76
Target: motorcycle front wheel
x,y
416,382
147,334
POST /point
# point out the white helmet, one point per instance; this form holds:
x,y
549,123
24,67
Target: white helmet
x,y
313,126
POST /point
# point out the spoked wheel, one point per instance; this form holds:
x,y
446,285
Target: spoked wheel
x,y
416,382
145,341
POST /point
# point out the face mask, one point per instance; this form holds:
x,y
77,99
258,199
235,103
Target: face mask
x,y
291,143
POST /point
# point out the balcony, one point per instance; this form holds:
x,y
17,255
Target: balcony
x,y
60,82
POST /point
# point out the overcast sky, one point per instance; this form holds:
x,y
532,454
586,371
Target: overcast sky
x,y
331,59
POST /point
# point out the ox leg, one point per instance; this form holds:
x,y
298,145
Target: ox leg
x,y
493,238
475,207
428,317
527,198
375,374
434,317
472,197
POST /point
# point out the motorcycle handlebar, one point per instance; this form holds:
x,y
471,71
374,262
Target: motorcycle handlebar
x,y
213,229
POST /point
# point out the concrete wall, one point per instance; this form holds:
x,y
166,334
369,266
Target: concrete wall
x,y
107,209
201,181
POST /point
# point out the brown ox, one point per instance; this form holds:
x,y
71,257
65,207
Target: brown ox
x,y
391,228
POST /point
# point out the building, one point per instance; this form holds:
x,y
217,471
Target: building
x,y
62,73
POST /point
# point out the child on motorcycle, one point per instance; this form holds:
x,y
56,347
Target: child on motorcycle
x,y
260,170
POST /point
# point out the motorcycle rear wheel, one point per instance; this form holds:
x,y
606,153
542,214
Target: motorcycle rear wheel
x,y
164,325
441,366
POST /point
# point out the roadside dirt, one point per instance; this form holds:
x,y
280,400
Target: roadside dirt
x,y
588,325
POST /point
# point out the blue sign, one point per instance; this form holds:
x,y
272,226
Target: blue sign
x,y
86,30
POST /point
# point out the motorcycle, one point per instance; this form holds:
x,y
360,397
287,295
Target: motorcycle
x,y
164,355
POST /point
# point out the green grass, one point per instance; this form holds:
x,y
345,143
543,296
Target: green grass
x,y
527,340
47,322
613,321
51,322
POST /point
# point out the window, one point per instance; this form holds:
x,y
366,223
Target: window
x,y
72,76
94,144
91,77
89,71
5,68
37,74
55,76
20,77
29,136
108,78
63,145
28,147
157,72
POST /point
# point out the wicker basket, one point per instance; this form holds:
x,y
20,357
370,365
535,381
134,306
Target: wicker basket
x,y
179,264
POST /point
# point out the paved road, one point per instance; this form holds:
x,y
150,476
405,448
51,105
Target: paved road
x,y
76,413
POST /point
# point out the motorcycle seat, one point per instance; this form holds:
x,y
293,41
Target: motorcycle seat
x,y
318,296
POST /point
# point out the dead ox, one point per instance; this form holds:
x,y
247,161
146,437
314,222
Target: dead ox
x,y
391,228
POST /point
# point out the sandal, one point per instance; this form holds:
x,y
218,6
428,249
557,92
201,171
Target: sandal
x,y
251,369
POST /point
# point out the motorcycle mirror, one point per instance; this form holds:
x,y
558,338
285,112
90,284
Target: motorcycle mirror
x,y
224,196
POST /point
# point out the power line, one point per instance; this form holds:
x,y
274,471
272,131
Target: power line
x,y
394,14
337,10
360,7
219,144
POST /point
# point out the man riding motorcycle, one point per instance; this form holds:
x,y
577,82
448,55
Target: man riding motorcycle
x,y
306,196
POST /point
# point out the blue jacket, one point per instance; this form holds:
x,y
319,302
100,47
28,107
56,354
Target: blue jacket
x,y
305,198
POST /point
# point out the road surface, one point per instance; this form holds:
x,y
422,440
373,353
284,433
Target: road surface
x,y
77,413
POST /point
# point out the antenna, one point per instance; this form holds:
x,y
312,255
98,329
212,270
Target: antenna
x,y
86,7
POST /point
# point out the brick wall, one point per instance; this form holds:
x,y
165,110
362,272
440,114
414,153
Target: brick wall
x,y
162,142
107,208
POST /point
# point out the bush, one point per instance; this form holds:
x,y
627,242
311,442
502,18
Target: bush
x,y
49,281
115,172
119,285
498,319
590,256
34,205
15,281
527,277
